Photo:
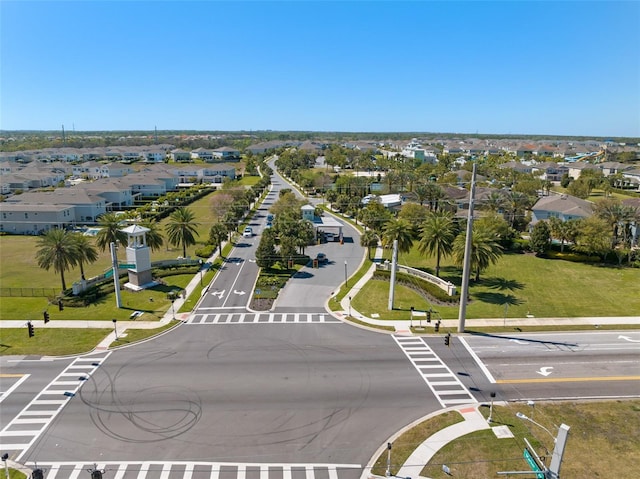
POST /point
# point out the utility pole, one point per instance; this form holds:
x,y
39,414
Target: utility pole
x,y
116,276
392,281
464,293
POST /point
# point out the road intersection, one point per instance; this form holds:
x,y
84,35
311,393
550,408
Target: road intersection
x,y
291,393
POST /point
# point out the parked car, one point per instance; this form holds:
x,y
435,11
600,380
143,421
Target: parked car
x,y
248,232
322,258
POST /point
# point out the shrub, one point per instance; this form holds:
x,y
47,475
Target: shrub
x,y
206,251
430,290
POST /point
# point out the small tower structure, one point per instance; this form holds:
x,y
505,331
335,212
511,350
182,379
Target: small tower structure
x,y
138,258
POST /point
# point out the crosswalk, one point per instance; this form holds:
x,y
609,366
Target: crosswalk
x,y
197,470
24,429
444,384
260,318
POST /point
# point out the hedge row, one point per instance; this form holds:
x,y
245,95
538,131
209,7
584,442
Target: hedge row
x,y
430,290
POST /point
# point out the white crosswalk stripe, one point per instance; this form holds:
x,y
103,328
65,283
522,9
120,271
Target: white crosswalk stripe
x,y
260,318
43,409
444,384
197,470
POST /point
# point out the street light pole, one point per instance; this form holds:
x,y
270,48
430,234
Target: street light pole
x,y
345,274
115,329
349,306
388,471
560,441
5,456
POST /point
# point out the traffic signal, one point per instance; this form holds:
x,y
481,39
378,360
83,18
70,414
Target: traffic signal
x,y
46,317
96,474
429,316
60,305
37,474
447,339
436,327
31,331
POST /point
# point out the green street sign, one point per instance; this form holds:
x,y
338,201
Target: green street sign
x,y
532,463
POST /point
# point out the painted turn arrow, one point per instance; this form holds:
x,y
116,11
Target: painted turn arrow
x,y
545,371
238,292
627,338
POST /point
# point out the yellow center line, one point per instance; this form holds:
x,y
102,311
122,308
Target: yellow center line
x,y
568,380
11,375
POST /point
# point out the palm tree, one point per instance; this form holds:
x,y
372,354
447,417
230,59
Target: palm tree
x,y
182,229
398,229
86,251
562,230
485,248
153,237
515,205
495,202
59,250
438,235
217,234
369,240
110,231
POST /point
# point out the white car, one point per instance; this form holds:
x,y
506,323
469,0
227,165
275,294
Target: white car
x,y
248,232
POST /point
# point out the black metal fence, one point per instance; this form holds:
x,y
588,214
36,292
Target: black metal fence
x,y
28,292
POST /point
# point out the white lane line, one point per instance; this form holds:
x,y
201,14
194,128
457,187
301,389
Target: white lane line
x,y
14,386
480,364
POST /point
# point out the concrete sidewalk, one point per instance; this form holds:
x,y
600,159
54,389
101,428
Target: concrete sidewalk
x,y
473,421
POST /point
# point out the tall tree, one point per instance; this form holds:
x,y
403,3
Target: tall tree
x,y
266,254
400,230
369,239
485,248
153,237
438,235
182,229
563,231
540,237
110,231
594,237
86,251
57,249
217,234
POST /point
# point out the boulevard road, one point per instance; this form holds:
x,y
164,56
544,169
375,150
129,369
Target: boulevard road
x,y
562,365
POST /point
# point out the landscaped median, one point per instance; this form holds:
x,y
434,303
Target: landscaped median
x,y
604,441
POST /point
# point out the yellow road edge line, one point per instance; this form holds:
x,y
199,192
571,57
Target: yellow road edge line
x,y
17,375
567,380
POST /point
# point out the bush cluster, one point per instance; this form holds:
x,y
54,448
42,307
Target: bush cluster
x,y
425,288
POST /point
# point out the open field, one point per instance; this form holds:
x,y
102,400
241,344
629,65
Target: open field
x,y
519,284
604,442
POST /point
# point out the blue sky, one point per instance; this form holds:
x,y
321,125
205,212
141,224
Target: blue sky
x,y
508,67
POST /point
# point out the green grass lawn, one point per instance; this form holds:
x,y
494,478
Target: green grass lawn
x,y
153,302
50,341
604,442
542,287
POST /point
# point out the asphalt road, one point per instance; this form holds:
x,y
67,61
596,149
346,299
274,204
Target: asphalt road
x,y
250,393
570,365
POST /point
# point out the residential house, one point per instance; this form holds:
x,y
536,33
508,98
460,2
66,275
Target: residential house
x,y
87,207
28,219
115,170
631,179
202,154
550,171
517,166
116,195
179,155
575,169
155,155
226,153
88,169
564,207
